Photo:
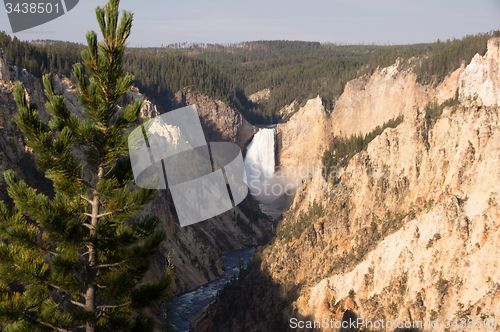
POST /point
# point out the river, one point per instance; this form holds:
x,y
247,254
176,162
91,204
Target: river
x,y
190,303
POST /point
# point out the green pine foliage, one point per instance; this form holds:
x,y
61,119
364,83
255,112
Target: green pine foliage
x,y
433,110
75,262
161,77
443,58
342,149
41,57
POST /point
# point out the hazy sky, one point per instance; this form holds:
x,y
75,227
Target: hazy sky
x,y
159,23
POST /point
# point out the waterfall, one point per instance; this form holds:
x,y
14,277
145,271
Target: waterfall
x,y
259,160
259,164
271,188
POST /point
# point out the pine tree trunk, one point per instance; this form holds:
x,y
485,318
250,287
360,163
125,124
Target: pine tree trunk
x,y
90,303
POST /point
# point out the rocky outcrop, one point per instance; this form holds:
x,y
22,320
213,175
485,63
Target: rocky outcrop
x,y
4,68
260,95
415,233
303,138
218,120
287,111
481,78
13,152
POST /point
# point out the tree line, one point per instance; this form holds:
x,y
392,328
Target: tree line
x,y
293,70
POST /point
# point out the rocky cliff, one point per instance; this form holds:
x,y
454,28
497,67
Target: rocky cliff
x,y
195,250
414,232
219,121
408,231
13,153
367,102
482,76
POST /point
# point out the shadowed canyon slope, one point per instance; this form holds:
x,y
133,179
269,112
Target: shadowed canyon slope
x,y
409,230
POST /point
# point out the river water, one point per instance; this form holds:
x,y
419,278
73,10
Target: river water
x,y
190,303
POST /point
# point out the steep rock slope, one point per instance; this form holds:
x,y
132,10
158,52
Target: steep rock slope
x,y
414,230
481,78
219,121
303,138
13,154
366,103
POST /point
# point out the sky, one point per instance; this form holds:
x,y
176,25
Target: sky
x,y
383,22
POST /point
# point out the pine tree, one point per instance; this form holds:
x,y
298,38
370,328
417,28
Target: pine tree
x,y
75,261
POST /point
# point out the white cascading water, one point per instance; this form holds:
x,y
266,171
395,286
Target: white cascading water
x,y
259,164
259,160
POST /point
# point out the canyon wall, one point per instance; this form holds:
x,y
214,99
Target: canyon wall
x,y
367,102
411,231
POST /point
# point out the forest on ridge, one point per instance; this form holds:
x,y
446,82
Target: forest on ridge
x,y
292,70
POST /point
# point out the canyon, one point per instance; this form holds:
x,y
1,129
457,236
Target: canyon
x,y
407,231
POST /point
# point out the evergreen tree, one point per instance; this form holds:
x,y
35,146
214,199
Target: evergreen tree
x,y
75,262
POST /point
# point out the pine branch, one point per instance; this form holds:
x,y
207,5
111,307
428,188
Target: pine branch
x,y
116,211
109,265
37,246
77,303
48,251
100,307
85,198
111,238
42,280
111,212
87,184
48,152
57,287
79,278
44,323
89,226
34,134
